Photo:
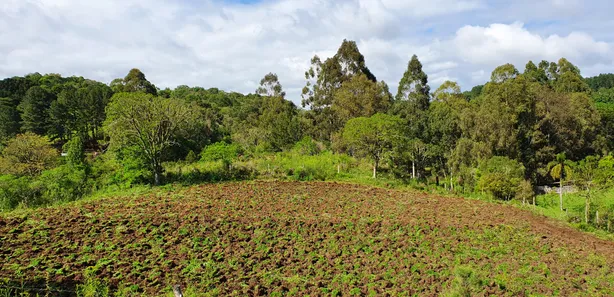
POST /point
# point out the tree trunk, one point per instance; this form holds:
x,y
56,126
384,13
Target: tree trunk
x,y
413,169
561,193
587,205
375,169
157,171
156,177
437,180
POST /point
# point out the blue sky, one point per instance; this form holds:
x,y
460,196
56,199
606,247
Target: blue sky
x,y
232,44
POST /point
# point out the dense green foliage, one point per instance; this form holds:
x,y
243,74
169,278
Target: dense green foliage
x,y
500,138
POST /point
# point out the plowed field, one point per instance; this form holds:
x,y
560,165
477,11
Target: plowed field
x,y
290,238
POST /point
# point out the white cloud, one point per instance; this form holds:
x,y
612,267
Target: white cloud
x,y
230,46
514,43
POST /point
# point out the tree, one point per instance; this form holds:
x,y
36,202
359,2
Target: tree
x,y
605,174
570,82
360,96
352,62
9,119
535,74
372,136
276,117
79,110
504,73
474,93
134,81
323,80
603,96
34,110
407,155
525,192
602,81
27,154
444,125
150,123
270,87
561,169
447,91
414,87
411,104
279,119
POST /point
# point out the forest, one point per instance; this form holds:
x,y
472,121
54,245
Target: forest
x,y
64,138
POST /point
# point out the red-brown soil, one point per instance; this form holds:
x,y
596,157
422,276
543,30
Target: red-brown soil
x,y
292,238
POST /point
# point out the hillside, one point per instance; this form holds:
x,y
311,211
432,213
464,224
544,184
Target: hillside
x,y
291,238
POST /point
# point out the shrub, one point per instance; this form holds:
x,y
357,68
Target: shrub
x,y
500,176
191,157
306,146
75,151
122,168
62,184
15,191
525,191
221,151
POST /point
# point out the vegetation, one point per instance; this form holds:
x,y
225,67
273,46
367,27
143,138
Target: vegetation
x,y
541,130
288,238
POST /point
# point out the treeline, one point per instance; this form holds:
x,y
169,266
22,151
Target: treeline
x,y
506,137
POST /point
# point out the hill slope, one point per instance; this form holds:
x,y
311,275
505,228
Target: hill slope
x,y
284,238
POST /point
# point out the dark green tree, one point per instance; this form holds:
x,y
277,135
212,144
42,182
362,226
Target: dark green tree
x,y
135,81
535,74
9,119
602,81
34,110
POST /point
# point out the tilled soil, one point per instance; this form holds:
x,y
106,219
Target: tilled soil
x,y
292,238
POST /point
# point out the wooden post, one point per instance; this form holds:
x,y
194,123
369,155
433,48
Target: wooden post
x,y
177,291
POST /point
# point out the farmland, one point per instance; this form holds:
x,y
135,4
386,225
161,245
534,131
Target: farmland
x,y
302,238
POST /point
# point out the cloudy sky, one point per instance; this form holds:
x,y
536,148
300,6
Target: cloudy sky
x,y
233,44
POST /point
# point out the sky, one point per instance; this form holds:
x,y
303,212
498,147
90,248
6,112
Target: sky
x,y
232,44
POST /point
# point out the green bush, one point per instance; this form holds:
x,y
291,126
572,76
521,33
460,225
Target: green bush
x,y
324,166
221,151
15,191
191,157
75,151
500,176
306,146
62,184
122,169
